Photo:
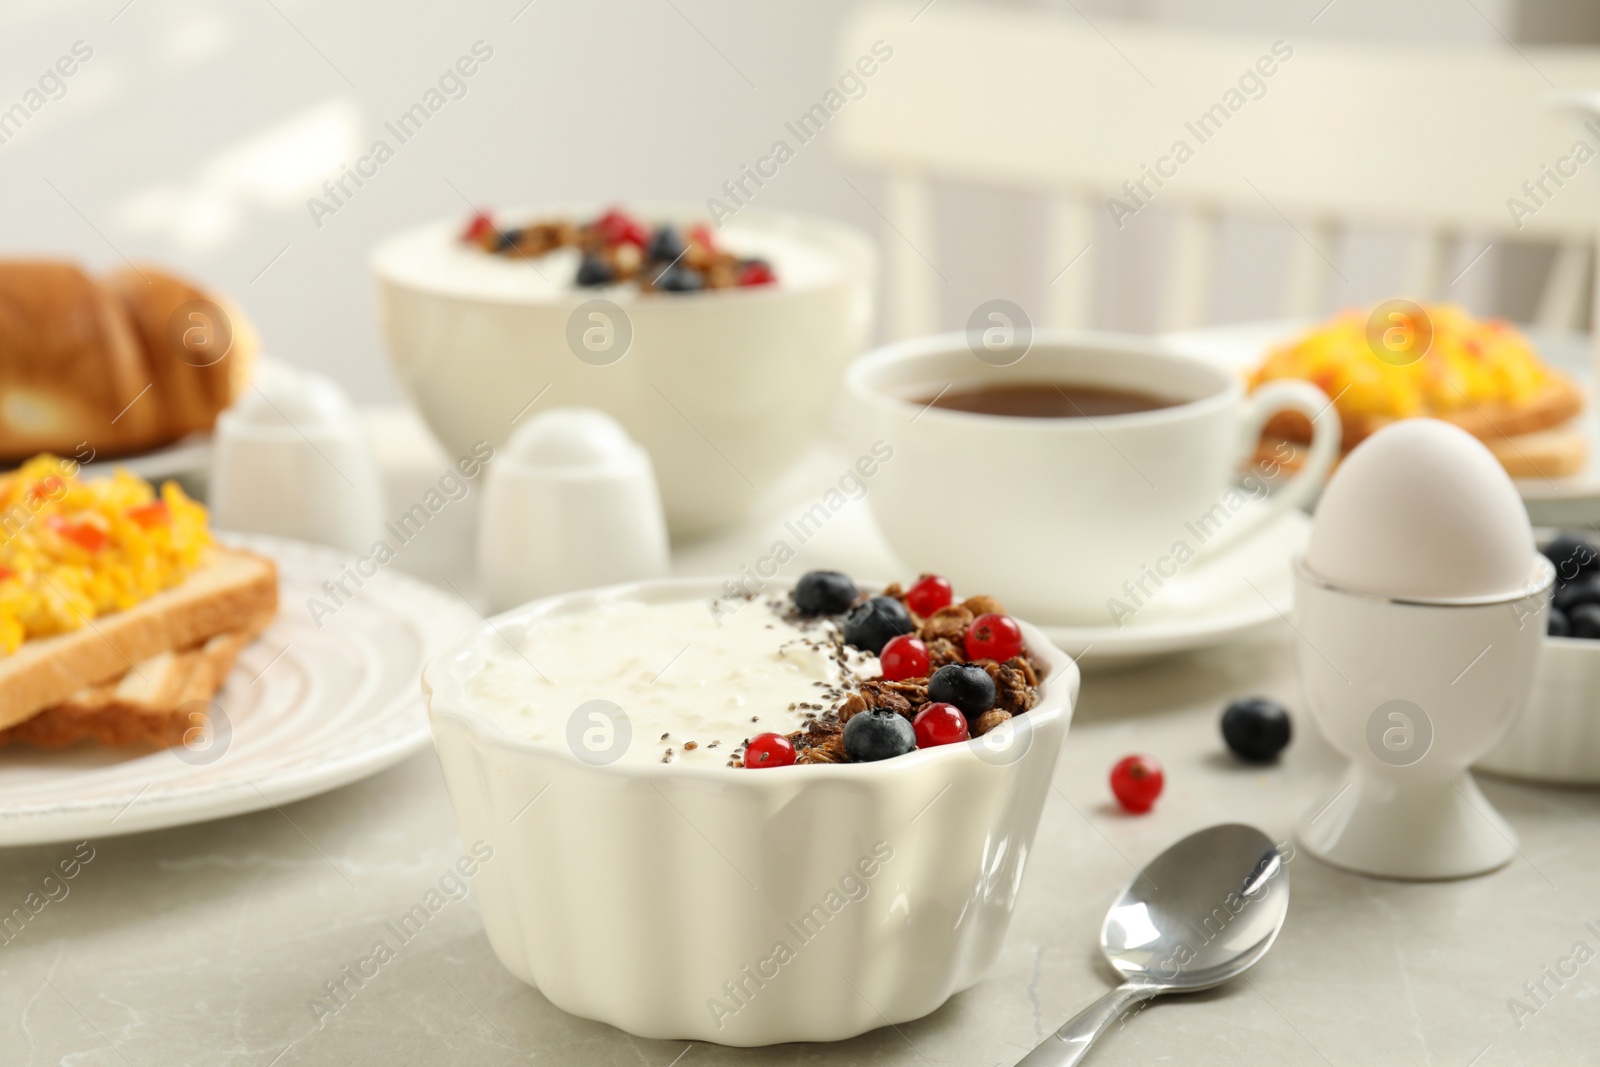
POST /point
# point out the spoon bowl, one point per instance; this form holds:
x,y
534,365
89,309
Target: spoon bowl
x,y
1197,915
1201,912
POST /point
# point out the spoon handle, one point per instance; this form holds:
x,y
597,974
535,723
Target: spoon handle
x,y
1068,1045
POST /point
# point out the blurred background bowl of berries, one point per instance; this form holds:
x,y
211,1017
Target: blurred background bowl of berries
x,y
719,348
1557,737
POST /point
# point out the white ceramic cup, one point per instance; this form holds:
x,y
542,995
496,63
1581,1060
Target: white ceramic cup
x,y
1065,519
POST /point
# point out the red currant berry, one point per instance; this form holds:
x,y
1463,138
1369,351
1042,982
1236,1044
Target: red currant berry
x,y
1136,782
478,228
769,750
939,724
992,636
618,228
700,234
756,272
929,594
903,657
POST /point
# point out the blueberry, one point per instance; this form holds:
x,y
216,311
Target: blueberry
x,y
878,733
1584,621
1573,555
871,624
680,280
1558,627
594,271
1256,729
1586,590
824,593
506,239
966,685
666,246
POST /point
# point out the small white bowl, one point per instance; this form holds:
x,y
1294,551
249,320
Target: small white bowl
x,y
1557,738
743,907
725,388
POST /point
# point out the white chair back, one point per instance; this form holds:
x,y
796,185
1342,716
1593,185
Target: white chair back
x,y
1110,117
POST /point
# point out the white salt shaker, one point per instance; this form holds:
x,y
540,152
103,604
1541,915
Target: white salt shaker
x,y
571,502
292,459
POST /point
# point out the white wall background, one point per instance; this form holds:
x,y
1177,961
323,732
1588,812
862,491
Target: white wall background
x,y
198,129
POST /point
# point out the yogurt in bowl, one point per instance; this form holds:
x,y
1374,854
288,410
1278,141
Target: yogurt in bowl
x,y
693,899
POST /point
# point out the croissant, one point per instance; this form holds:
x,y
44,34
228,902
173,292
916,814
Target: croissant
x,y
112,366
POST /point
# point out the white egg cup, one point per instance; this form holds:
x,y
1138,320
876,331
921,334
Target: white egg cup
x,y
1414,692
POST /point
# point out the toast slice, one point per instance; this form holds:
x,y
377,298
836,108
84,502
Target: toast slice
x,y
158,704
234,592
1557,404
1554,453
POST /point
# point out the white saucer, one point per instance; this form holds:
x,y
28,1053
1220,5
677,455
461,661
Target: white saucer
x,y
307,709
1245,589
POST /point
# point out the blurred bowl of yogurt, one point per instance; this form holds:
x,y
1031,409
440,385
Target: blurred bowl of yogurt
x,y
641,876
723,387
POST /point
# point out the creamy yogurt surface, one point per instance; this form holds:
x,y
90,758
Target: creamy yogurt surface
x,y
694,679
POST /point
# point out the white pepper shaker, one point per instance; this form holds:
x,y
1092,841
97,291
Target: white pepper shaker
x,y
571,502
291,458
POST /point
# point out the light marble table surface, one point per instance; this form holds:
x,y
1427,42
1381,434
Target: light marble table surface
x,y
208,944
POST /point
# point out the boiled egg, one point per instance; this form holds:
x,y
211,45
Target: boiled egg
x,y
1422,510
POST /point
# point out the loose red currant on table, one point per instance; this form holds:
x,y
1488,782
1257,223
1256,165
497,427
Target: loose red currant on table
x,y
769,750
903,657
929,594
1136,782
939,724
992,636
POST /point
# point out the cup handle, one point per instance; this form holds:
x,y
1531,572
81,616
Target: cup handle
x,y
1326,433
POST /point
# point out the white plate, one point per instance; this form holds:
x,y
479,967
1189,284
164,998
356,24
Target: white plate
x,y
184,458
1570,501
1240,591
306,709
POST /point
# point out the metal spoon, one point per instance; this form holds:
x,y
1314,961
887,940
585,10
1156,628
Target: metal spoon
x,y
1199,914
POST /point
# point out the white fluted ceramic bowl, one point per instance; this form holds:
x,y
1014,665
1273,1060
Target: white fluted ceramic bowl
x,y
744,907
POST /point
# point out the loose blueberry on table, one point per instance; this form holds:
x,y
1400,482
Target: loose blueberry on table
x,y
1256,729
947,671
